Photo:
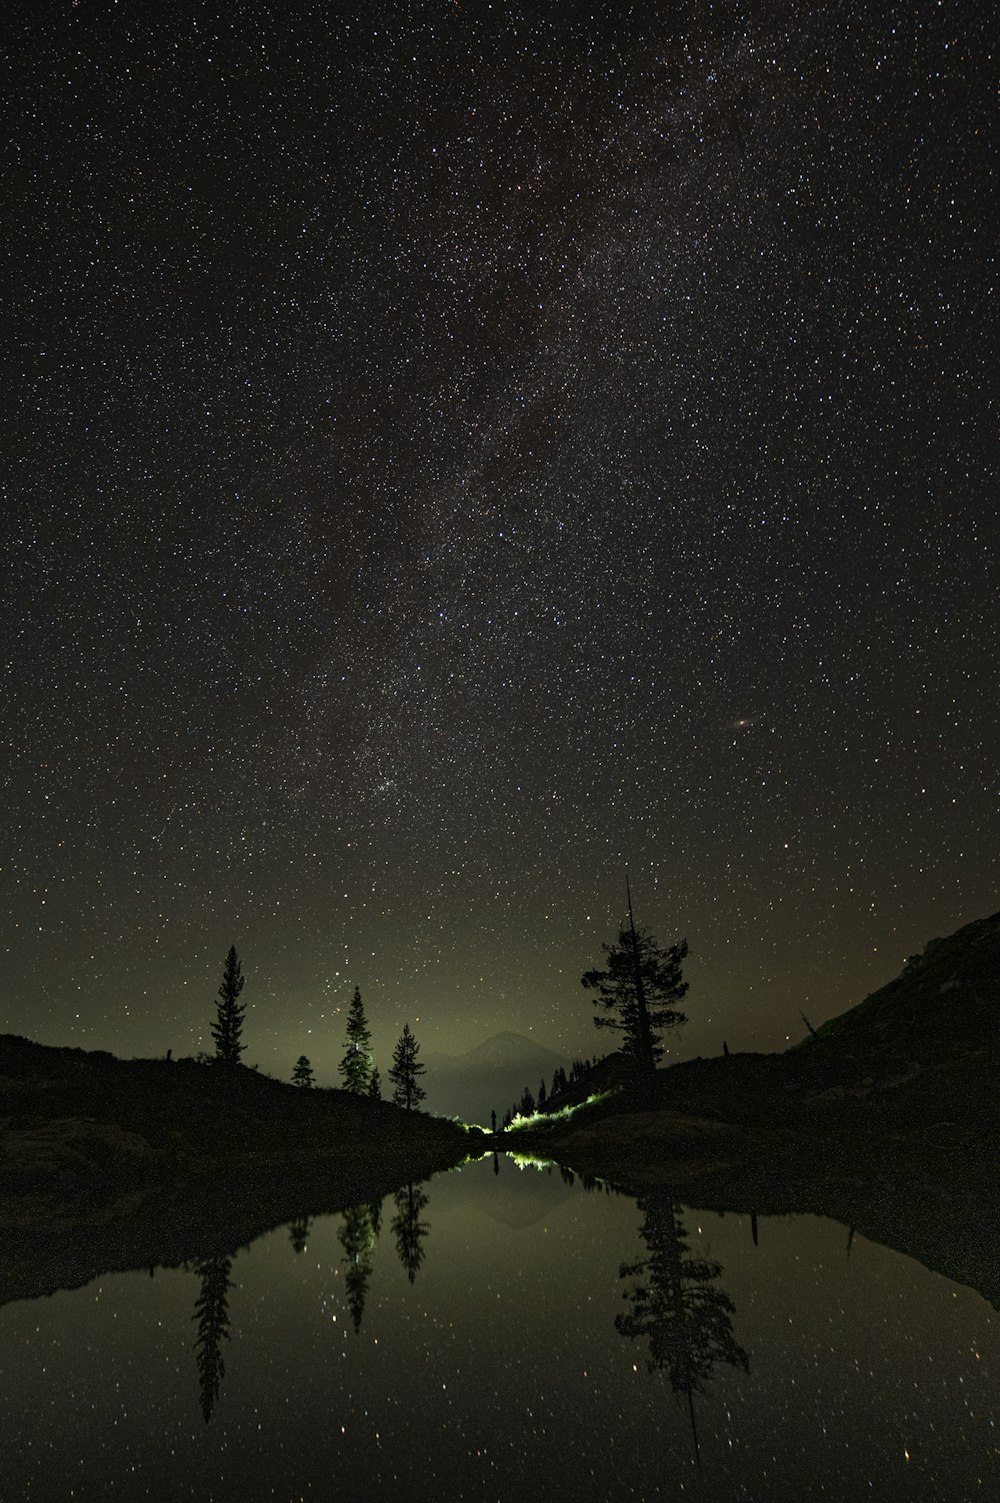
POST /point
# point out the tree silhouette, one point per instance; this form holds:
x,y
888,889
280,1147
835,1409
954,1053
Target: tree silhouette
x,y
408,1230
358,1237
638,988
405,1070
298,1232
375,1085
228,1026
686,1322
211,1311
356,1065
302,1075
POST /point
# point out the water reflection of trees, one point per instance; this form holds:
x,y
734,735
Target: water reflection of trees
x,y
674,1307
359,1237
298,1232
408,1230
211,1311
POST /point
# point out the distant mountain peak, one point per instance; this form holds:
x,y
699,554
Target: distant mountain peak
x,y
510,1047
489,1076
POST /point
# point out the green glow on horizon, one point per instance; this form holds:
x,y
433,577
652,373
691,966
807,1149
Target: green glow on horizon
x,y
536,1119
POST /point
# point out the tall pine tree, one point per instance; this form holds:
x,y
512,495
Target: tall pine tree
x,y
356,1065
638,990
405,1070
228,1026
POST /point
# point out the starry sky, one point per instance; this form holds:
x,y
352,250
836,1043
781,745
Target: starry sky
x,y
455,452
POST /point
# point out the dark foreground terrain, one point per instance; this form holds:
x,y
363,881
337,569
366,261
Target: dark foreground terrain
x,y
87,1140
886,1118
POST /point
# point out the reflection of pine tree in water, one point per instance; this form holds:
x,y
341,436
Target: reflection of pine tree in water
x,y
358,1237
408,1229
686,1323
211,1311
298,1232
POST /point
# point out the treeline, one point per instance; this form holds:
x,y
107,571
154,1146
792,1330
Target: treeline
x,y
358,1236
357,1067
547,1095
638,990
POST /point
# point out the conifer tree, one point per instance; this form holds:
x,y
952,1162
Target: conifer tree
x,y
638,990
405,1070
375,1085
356,1065
228,1026
302,1075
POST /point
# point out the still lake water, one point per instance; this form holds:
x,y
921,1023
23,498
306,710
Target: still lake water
x,y
497,1372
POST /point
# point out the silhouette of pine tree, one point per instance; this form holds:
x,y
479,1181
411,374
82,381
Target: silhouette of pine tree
x,y
302,1075
228,1025
375,1085
356,1065
672,1305
638,990
298,1232
211,1311
405,1071
408,1229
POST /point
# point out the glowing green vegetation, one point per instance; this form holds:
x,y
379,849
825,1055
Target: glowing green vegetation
x,y
550,1119
528,1161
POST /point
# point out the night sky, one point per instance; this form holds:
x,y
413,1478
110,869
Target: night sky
x,y
453,452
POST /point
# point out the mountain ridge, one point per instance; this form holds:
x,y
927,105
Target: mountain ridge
x,y
490,1076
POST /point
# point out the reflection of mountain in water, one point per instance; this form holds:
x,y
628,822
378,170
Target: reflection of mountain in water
x,y
953,1232
490,1077
516,1198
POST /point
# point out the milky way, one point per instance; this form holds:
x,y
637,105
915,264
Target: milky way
x,y
458,452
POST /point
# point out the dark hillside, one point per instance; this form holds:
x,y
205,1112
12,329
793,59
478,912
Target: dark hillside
x,y
906,1082
944,1002
79,1130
